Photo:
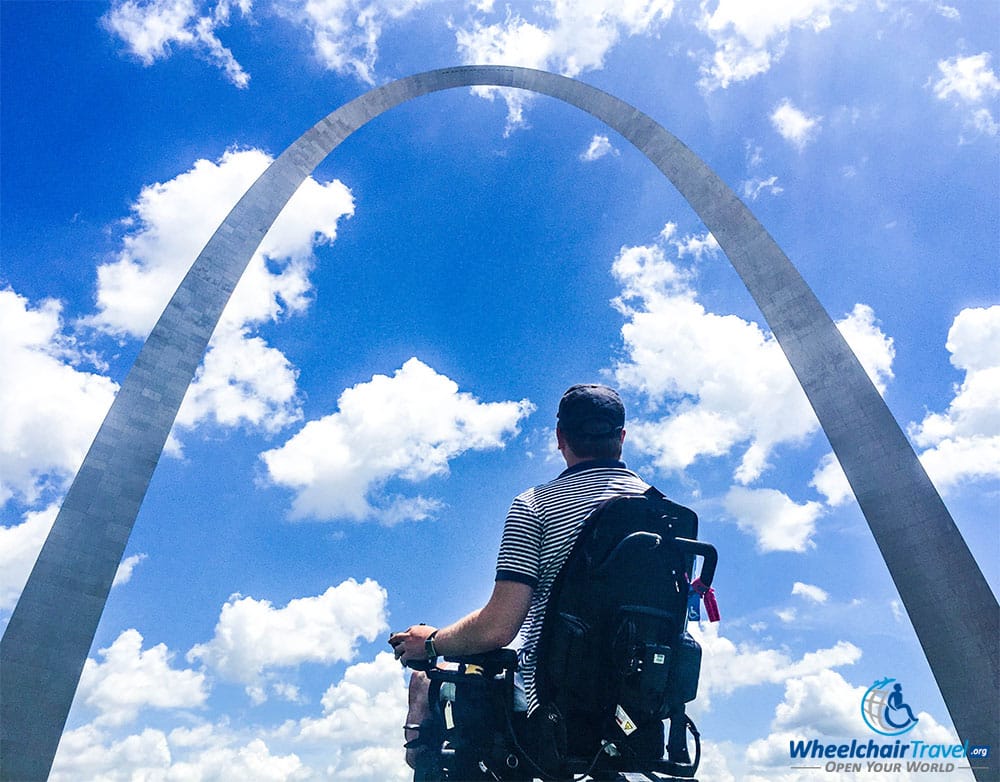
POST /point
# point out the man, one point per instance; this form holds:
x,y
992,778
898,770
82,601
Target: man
x,y
539,532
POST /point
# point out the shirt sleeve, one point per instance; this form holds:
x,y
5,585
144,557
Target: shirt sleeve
x,y
520,545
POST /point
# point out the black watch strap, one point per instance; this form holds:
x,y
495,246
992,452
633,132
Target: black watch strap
x,y
429,646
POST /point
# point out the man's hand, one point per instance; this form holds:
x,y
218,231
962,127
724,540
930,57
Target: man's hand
x,y
409,644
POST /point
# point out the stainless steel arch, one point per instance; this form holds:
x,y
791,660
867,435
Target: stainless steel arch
x,y
50,632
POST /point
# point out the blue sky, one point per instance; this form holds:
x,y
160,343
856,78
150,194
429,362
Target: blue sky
x,y
385,379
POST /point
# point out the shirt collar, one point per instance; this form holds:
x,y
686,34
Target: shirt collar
x,y
593,464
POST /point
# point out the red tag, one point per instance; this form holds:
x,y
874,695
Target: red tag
x,y
708,595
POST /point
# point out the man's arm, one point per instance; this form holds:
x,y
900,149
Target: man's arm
x,y
491,627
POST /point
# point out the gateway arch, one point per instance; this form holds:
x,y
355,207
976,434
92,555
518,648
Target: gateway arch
x,y
49,635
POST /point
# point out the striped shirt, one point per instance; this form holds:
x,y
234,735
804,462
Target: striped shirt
x,y
541,527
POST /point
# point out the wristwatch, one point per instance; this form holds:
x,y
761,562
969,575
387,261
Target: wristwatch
x,y
429,646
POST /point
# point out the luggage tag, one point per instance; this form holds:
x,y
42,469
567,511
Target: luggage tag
x,y
708,595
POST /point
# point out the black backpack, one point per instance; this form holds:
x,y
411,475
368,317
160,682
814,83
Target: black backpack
x,y
614,657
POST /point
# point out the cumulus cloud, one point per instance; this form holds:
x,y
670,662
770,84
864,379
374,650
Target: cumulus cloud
x,y
371,697
408,426
124,573
130,679
361,717
252,637
52,407
698,246
599,147
810,592
567,37
830,481
713,382
171,223
874,349
963,442
355,737
242,379
19,547
968,79
151,28
969,83
794,125
728,666
774,519
345,33
714,377
203,753
750,37
86,753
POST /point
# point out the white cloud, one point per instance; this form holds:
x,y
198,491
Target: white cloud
x,y
254,760
810,592
982,122
365,706
715,763
131,679
124,573
242,379
356,737
698,246
171,223
361,718
775,520
252,637
407,426
963,442
873,348
968,79
947,11
598,148
752,188
570,37
345,33
970,82
713,382
150,28
727,666
19,547
830,481
83,754
750,37
794,125
51,409
717,380
206,753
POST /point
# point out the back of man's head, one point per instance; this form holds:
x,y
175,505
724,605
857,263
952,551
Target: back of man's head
x,y
591,418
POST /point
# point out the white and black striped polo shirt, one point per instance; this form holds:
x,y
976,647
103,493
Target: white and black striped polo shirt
x,y
541,527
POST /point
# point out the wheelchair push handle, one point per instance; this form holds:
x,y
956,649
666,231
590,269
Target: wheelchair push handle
x,y
704,550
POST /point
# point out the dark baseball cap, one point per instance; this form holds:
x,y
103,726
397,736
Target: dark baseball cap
x,y
592,410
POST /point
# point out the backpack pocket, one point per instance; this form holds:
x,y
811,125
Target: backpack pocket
x,y
643,659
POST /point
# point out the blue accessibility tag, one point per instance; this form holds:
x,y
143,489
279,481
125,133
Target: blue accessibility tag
x,y
694,606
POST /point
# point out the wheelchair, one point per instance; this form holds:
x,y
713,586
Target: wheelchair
x,y
614,664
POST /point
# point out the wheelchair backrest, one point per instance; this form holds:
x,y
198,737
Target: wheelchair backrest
x,y
613,644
